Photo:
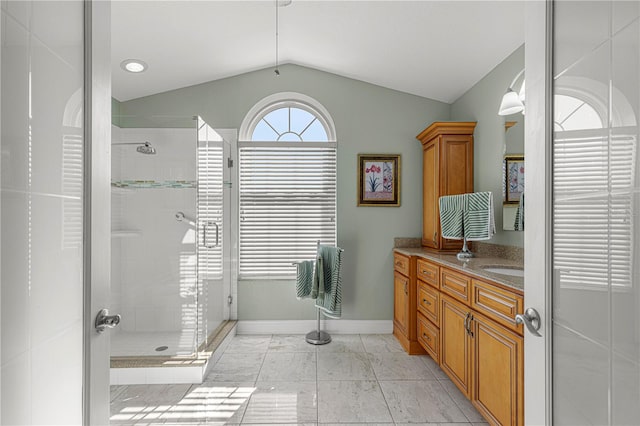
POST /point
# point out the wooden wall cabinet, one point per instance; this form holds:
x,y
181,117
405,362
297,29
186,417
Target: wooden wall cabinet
x,y
447,169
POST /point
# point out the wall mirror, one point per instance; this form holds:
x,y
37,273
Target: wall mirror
x,y
512,169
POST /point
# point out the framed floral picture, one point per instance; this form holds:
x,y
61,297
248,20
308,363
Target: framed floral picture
x,y
379,180
513,172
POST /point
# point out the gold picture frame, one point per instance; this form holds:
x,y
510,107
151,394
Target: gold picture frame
x,y
513,178
379,180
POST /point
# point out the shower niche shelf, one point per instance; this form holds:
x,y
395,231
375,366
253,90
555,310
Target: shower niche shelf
x,y
125,233
126,186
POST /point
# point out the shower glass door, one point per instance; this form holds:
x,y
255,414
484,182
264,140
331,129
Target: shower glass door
x,y
154,278
213,245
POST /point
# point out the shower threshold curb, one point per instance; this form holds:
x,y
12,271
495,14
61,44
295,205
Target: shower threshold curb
x,y
198,359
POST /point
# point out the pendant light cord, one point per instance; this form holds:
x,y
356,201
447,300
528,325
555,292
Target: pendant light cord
x,y
277,71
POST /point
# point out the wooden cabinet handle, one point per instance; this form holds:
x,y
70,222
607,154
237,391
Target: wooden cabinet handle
x,y
405,288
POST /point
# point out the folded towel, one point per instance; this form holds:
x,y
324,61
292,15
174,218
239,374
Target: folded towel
x,y
451,216
519,223
479,223
328,275
304,279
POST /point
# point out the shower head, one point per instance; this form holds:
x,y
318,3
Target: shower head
x,y
146,149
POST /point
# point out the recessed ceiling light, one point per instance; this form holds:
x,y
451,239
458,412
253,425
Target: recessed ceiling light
x,y
134,65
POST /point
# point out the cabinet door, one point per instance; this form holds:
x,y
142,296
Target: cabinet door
x,y
401,303
456,172
455,346
430,195
498,365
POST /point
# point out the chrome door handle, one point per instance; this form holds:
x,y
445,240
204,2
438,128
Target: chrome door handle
x,y
204,234
104,320
531,319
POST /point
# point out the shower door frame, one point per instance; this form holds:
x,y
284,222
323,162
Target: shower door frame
x,y
228,292
538,372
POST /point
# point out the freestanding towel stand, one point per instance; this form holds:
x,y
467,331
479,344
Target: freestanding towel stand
x,y
318,337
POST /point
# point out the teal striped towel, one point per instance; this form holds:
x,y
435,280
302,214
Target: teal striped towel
x,y
451,216
318,278
328,274
478,222
304,279
519,223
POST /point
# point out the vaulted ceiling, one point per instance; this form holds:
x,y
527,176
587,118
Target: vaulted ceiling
x,y
435,49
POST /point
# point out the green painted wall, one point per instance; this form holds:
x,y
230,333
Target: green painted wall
x,y
481,103
115,112
368,119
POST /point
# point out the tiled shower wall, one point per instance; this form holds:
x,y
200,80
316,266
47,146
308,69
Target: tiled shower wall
x,y
41,197
153,254
596,288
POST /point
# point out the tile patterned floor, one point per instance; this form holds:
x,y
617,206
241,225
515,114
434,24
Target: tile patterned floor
x,y
280,379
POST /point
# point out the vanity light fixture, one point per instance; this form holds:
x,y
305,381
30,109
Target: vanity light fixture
x,y
134,65
513,102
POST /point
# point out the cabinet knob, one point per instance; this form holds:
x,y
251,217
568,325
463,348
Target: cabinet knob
x,y
426,337
435,237
426,302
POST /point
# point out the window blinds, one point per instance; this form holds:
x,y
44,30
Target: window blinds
x,y
593,175
287,204
210,209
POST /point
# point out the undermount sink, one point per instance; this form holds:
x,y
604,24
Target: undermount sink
x,y
505,270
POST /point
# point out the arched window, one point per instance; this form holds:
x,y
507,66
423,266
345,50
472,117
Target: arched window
x,y
287,185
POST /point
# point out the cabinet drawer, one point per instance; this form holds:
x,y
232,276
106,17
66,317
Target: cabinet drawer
x,y
429,302
429,337
401,263
498,304
455,285
428,272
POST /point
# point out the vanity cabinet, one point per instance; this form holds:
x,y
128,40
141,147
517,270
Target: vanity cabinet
x,y
498,372
456,343
467,326
447,169
401,303
405,315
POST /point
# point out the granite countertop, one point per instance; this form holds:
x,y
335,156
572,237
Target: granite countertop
x,y
472,267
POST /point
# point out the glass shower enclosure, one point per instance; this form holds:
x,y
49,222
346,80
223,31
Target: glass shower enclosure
x,y
169,237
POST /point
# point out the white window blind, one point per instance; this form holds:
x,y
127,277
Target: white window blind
x,y
593,177
287,203
210,209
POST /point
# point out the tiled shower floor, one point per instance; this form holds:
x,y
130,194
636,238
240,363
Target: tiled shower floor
x,y
281,379
125,343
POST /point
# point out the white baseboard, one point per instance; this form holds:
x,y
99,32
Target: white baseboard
x,y
305,326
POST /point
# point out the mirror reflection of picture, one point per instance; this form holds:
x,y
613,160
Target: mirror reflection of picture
x,y
513,170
